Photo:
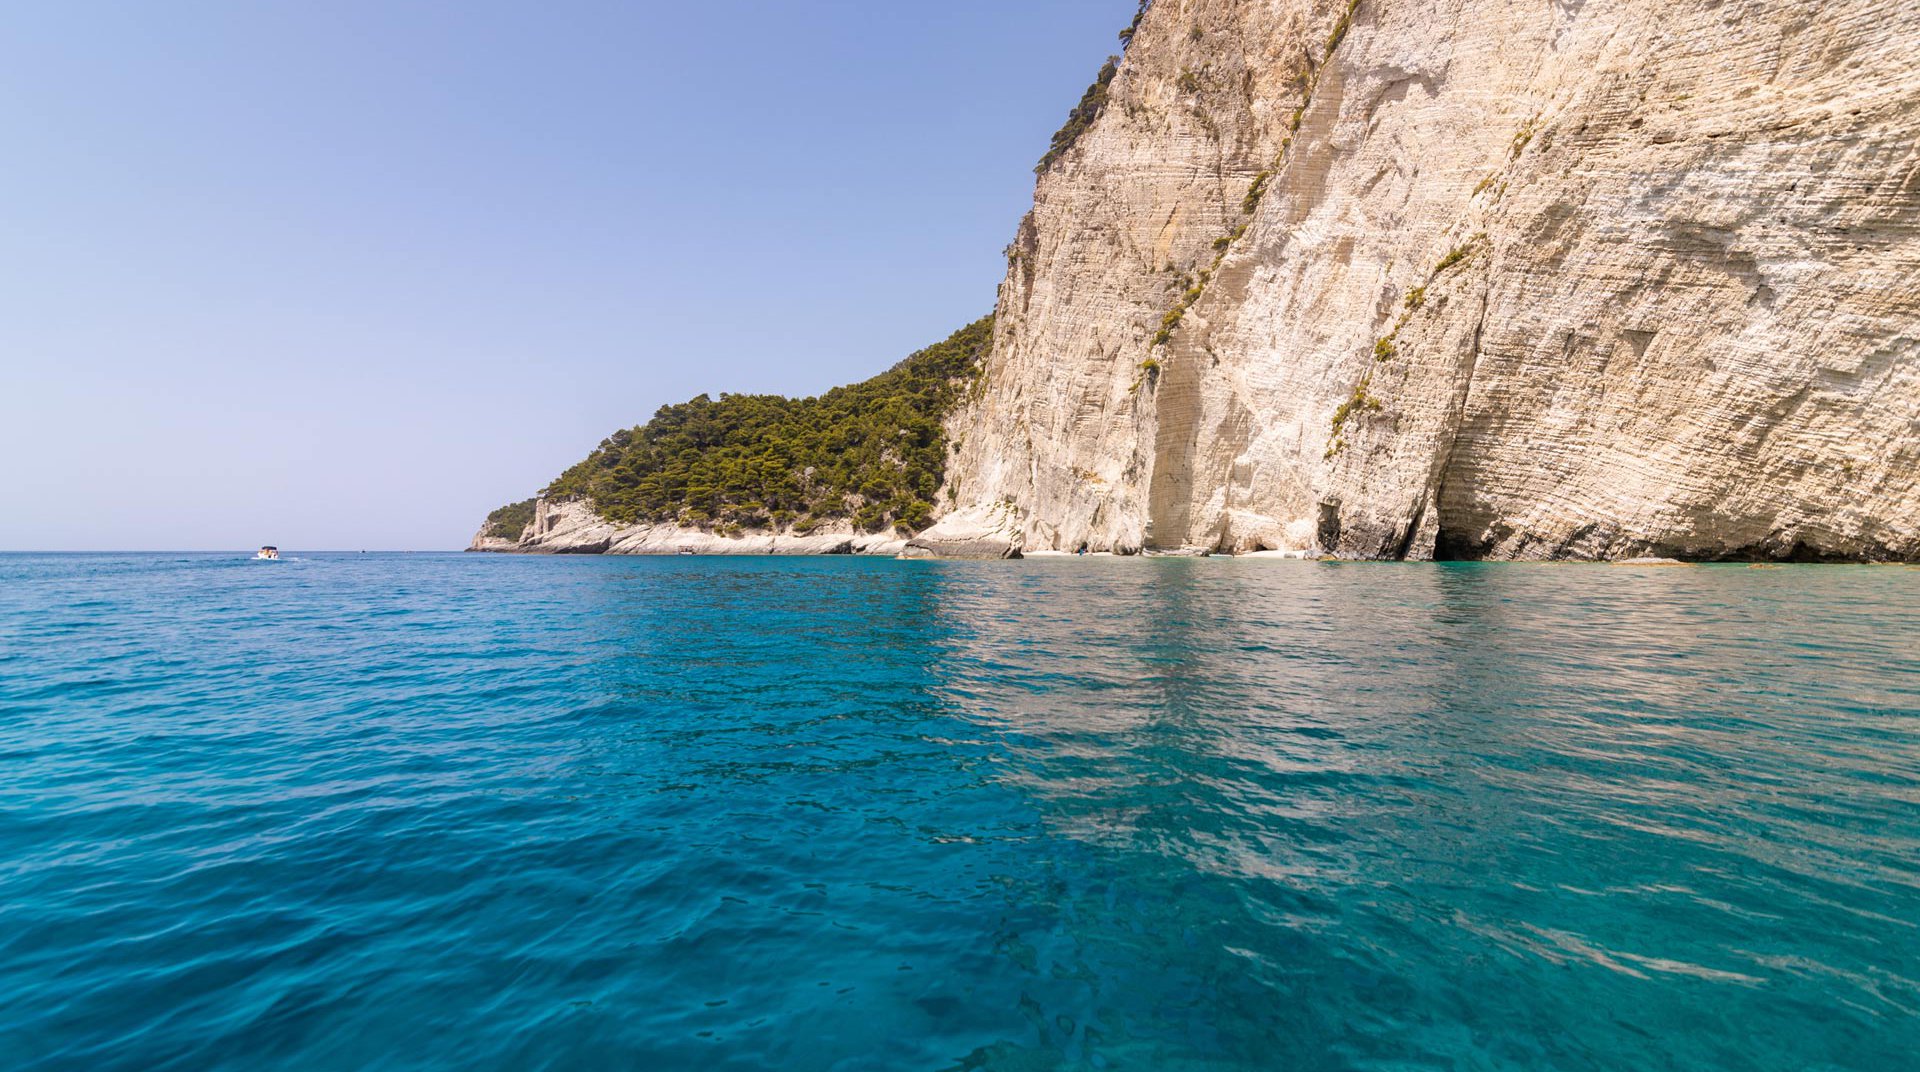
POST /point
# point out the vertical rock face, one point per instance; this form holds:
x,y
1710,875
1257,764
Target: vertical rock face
x,y
1471,278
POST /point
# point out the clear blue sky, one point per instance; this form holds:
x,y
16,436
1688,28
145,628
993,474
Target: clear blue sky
x,y
349,274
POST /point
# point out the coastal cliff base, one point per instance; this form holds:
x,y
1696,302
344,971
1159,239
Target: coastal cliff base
x,y
570,527
989,531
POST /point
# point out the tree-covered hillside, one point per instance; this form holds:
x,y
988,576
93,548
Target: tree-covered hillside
x,y
873,453
510,520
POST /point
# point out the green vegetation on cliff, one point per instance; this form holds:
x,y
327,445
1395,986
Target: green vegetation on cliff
x,y
873,453
1092,102
508,522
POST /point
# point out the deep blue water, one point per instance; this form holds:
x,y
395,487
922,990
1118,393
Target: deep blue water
x,y
474,812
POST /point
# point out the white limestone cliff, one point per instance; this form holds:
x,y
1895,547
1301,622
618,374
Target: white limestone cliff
x,y
483,541
1469,278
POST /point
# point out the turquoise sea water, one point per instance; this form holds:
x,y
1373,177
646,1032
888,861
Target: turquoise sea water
x,y
465,812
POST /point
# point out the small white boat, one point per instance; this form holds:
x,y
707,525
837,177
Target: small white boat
x,y
269,553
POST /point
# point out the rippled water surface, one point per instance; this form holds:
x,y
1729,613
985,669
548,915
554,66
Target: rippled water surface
x,y
464,812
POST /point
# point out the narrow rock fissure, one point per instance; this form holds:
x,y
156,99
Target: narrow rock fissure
x,y
1412,532
1445,543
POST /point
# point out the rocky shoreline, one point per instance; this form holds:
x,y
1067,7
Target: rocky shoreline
x,y
570,527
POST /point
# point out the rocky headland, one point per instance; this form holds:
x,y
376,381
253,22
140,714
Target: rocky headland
x,y
1446,279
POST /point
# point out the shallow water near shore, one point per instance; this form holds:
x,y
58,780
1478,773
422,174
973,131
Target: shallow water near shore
x,y
479,812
